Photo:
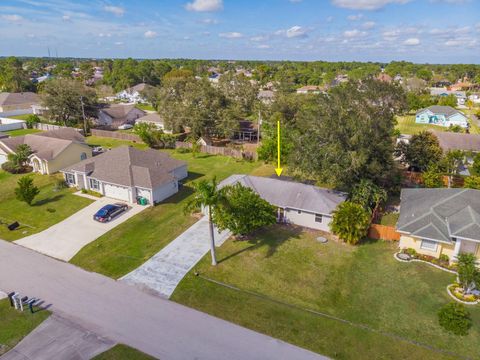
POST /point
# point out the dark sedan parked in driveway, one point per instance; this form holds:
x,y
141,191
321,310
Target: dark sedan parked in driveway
x,y
108,212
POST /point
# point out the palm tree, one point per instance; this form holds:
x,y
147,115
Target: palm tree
x,y
207,195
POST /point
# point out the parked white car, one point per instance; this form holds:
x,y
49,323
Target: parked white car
x,y
125,126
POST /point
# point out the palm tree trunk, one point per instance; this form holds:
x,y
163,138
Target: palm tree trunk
x,y
212,239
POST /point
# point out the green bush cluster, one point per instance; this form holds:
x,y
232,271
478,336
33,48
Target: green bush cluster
x,y
455,318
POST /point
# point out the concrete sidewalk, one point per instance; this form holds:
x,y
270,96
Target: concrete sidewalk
x,y
164,271
63,240
126,315
58,338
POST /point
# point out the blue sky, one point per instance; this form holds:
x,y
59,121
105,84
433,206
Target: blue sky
x,y
434,31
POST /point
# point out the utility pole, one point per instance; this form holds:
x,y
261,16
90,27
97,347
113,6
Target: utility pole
x,y
84,118
259,123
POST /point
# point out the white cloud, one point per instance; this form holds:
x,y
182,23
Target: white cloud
x,y
115,10
412,42
259,38
453,43
355,17
231,35
11,18
296,31
353,33
66,17
366,4
263,46
368,25
119,43
105,35
209,21
204,5
149,34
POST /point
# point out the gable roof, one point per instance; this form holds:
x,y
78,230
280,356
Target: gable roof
x,y
440,214
129,166
290,194
47,145
443,110
18,98
117,111
457,141
151,118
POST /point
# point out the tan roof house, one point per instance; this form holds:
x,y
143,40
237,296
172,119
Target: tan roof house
x,y
52,150
18,101
115,115
457,141
439,222
126,173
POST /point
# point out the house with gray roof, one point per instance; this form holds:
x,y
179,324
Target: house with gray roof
x,y
18,103
115,115
439,222
51,150
126,173
297,203
441,115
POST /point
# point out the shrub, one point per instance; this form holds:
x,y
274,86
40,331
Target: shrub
x,y
26,191
350,222
59,184
454,318
411,252
32,120
472,182
183,150
444,257
432,178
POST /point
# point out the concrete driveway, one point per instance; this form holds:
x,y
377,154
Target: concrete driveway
x,y
59,338
65,239
164,271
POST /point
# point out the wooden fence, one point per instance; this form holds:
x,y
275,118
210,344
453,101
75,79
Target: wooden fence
x,y
116,135
216,150
377,231
48,127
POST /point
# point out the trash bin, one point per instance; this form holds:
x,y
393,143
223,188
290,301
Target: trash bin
x,y
143,201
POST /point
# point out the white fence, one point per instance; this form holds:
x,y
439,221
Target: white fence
x,y
16,112
7,124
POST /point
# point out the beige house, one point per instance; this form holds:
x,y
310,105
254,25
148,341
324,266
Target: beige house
x,y
296,203
51,150
126,173
115,115
440,221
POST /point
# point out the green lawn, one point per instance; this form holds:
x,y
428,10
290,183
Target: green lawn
x,y
123,352
108,143
145,107
362,284
133,242
390,219
21,132
48,208
25,117
15,325
406,124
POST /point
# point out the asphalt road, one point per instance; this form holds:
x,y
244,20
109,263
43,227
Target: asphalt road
x,y
124,314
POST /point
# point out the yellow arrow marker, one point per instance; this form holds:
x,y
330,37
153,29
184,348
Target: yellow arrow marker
x,y
278,170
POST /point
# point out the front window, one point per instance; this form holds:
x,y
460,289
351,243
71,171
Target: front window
x,y
428,245
70,179
318,218
83,156
94,184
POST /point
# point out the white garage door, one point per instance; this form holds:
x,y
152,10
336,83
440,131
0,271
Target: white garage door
x,y
117,192
3,158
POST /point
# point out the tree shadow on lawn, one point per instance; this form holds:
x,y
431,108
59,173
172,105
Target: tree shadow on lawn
x,y
183,193
273,237
48,200
192,176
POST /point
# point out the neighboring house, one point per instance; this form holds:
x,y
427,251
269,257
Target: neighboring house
x,y
126,173
384,77
458,141
154,119
133,94
18,103
214,78
460,95
309,89
266,96
440,221
205,140
475,98
441,115
296,203
115,115
247,131
52,150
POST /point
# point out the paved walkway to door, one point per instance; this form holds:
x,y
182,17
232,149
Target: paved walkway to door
x,y
164,271
63,240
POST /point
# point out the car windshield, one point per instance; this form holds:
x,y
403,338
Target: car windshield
x,y
102,212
